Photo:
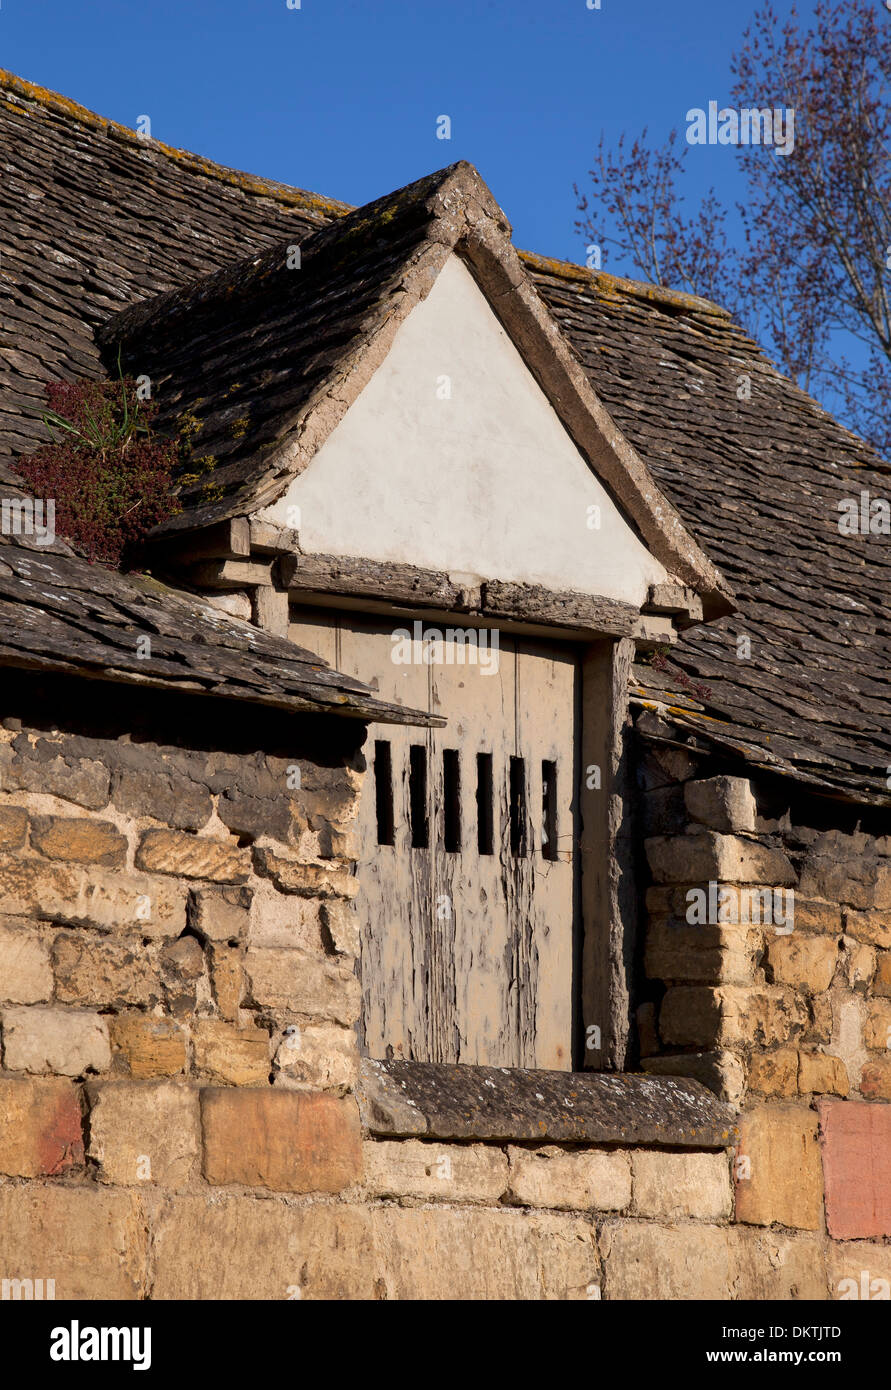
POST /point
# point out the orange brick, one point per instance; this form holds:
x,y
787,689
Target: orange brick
x,y
288,1141
40,1127
856,1143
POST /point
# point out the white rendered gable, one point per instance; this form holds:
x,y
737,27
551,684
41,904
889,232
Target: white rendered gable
x,y
453,459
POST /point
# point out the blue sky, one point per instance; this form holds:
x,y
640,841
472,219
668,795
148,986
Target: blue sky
x,y
342,96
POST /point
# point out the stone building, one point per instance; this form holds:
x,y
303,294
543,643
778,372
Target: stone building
x,y
482,870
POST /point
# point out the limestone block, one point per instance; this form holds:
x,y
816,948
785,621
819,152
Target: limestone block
x,y
221,914
193,856
645,1260
107,972
227,979
66,1041
669,1186
315,985
730,1016
91,1241
148,1046
877,1030
83,781
875,1079
807,963
871,927
709,857
238,1247
485,1255
90,897
318,1056
26,975
858,963
881,984
773,1265
225,1053
13,827
821,1073
774,1073
579,1180
144,1131
434,1171
306,880
859,1270
784,1182
82,839
722,803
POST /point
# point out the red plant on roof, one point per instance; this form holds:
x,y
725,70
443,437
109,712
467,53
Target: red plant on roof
x,y
680,677
111,479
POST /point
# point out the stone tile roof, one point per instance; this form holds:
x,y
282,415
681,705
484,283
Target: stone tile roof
x,y
95,220
59,613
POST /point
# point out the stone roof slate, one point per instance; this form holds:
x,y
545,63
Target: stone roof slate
x,y
57,612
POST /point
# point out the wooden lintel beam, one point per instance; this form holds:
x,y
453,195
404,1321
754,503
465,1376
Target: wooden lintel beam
x,y
532,603
493,599
335,574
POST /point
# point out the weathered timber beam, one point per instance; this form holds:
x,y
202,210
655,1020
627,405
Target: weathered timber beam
x,y
227,540
227,574
335,574
494,599
584,612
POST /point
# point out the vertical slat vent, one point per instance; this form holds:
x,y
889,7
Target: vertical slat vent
x,y
549,809
417,796
383,792
517,789
485,820
451,790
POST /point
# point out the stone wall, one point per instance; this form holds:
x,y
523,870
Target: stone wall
x,y
178,1009
787,1014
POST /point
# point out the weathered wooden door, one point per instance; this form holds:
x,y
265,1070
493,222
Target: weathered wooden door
x,y
468,867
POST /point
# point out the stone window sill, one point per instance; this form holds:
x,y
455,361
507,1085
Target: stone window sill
x,y
427,1100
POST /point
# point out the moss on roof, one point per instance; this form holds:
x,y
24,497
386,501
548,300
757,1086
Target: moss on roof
x,y
197,164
